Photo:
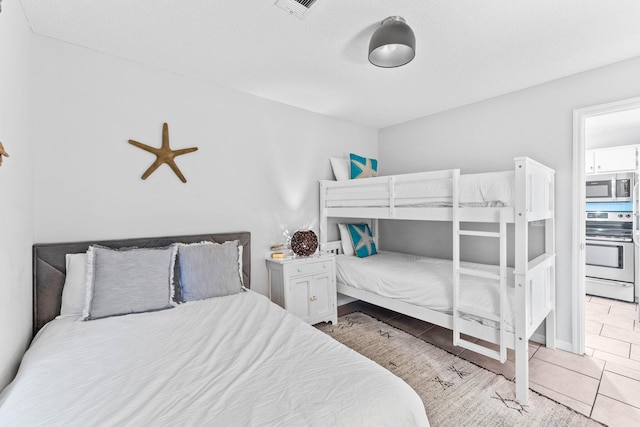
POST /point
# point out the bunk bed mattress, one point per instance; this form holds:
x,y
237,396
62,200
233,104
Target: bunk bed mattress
x,y
425,282
492,189
235,360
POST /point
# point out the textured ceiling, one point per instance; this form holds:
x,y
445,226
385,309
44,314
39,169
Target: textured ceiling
x,y
467,50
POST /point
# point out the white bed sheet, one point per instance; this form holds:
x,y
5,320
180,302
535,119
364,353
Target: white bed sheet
x,y
491,189
425,282
230,361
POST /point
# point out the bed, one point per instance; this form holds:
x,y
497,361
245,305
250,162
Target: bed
x,y
497,303
234,359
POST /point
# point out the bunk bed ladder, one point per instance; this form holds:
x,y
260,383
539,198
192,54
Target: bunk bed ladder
x,y
460,310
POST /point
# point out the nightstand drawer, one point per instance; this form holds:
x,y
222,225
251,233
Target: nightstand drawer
x,y
312,268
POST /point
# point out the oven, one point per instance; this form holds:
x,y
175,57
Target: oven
x,y
610,254
610,188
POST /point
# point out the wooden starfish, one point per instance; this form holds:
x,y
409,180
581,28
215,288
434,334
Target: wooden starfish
x,y
2,151
164,154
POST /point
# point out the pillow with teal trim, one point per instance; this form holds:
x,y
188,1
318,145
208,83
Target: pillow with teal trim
x,y
361,167
363,243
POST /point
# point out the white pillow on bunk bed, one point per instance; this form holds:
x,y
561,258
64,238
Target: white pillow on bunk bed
x,y
345,240
340,168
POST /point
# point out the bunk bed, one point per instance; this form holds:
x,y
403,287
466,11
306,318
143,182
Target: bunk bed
x,y
526,291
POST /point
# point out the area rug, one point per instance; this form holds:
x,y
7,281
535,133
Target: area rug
x,y
455,392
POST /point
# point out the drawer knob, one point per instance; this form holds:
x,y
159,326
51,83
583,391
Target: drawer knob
x,y
313,298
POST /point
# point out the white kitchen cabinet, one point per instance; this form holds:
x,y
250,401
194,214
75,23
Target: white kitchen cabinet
x,y
614,159
305,286
589,161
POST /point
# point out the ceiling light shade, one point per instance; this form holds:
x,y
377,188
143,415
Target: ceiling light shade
x,y
393,44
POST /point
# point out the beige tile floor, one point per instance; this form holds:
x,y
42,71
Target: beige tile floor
x,y
604,384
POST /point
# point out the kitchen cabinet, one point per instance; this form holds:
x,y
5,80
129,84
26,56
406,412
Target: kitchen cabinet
x,y
614,159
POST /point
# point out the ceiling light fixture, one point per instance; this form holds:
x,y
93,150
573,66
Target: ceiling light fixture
x,y
393,44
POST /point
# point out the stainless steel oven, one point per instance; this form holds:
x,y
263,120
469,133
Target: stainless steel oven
x,y
610,255
610,260
610,188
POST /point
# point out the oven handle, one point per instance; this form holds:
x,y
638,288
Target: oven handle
x,y
608,239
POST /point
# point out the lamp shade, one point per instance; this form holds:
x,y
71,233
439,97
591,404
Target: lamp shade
x,y
393,44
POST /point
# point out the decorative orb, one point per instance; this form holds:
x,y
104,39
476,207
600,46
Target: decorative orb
x,y
304,242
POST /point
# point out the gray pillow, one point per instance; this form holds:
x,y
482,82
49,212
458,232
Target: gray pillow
x,y
209,270
128,281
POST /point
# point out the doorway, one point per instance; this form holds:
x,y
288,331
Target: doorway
x,y
581,117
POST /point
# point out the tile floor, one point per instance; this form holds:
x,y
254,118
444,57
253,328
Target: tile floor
x,y
604,384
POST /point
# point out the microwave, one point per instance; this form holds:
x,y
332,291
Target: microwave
x,y
610,188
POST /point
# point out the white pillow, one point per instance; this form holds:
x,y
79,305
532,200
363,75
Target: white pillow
x,y
345,238
340,168
73,292
240,250
209,270
128,280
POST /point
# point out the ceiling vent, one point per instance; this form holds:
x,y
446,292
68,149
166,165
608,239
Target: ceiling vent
x,y
297,8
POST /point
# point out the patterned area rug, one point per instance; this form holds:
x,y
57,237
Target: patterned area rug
x,y
455,392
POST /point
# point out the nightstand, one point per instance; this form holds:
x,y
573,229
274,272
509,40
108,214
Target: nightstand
x,y
305,286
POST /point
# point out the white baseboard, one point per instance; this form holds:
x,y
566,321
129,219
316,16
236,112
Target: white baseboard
x,y
560,345
538,338
564,345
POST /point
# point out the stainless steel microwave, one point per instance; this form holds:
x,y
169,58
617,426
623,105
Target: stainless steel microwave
x,y
610,188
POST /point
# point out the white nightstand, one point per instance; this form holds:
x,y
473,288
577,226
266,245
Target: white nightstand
x,y
305,286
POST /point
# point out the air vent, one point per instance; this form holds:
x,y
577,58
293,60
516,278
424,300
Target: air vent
x,y
297,8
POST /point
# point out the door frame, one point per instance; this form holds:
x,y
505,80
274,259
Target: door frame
x,y
579,199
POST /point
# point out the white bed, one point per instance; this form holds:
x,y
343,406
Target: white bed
x,y
233,360
424,282
230,361
521,298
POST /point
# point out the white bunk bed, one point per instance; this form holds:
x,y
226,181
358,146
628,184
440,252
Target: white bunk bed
x,y
448,196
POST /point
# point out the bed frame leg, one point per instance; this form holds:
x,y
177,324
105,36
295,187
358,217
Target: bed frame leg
x,y
550,330
522,370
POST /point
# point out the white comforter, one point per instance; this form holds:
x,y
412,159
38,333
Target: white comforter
x,y
425,282
232,361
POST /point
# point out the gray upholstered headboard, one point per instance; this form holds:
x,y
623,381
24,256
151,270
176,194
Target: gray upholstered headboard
x,y
49,266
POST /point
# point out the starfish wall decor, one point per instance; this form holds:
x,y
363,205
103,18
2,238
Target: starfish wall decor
x,y
2,153
164,154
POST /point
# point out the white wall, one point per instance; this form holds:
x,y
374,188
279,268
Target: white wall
x,y
16,190
486,136
612,137
257,167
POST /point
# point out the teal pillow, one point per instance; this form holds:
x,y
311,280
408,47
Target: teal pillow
x,y
361,167
363,243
